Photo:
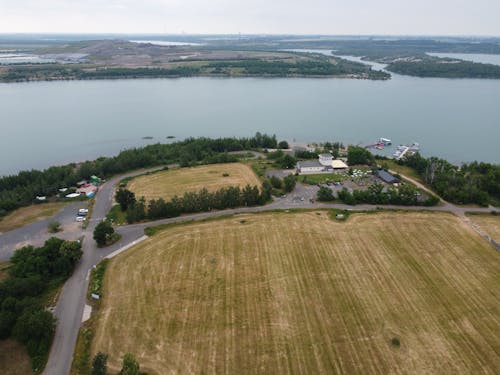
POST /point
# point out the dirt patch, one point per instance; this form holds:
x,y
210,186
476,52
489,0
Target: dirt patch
x,y
14,359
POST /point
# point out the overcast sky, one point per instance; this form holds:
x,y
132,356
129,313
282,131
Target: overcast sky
x,y
402,17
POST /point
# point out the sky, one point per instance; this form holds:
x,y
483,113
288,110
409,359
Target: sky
x,y
332,17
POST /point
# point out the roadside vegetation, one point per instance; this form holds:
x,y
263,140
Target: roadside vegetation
x,y
300,291
34,273
477,183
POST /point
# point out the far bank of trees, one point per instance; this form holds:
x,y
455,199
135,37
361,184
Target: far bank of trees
x,y
445,68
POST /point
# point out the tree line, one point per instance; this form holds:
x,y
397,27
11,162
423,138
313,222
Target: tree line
x,y
35,271
21,189
191,202
318,67
474,182
445,68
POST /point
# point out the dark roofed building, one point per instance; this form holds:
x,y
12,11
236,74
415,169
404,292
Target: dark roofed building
x,y
387,177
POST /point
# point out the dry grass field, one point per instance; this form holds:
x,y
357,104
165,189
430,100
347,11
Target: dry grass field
x,y
14,359
27,215
166,184
489,223
297,293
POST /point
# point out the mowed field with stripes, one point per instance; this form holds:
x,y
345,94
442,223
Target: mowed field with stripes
x,y
299,293
167,184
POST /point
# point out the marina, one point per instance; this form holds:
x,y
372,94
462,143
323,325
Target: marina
x,y
401,150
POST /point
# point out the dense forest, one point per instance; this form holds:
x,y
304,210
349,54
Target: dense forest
x,y
475,182
34,272
21,189
445,68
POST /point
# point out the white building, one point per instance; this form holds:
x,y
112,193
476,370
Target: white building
x,y
326,159
310,166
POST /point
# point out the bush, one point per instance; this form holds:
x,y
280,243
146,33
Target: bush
x,y
54,227
325,194
395,342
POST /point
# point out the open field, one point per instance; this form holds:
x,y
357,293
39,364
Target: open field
x,y
401,169
27,215
489,223
14,359
290,293
167,184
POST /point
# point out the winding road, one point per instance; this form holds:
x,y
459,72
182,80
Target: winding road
x,y
71,302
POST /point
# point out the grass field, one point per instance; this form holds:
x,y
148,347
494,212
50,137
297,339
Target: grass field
x,y
167,184
401,169
298,293
489,223
14,359
27,215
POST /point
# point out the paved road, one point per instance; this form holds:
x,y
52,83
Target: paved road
x,y
70,306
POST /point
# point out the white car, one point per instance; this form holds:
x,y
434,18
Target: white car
x,y
80,218
83,211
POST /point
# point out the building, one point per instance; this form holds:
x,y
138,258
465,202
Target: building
x,y
310,166
339,166
387,177
326,159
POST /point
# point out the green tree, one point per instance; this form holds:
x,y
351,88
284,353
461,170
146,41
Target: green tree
x,y
325,194
289,183
102,232
287,161
359,155
99,364
276,182
125,198
71,250
35,329
130,365
283,145
137,211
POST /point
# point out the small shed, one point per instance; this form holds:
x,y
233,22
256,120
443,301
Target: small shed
x,y
387,177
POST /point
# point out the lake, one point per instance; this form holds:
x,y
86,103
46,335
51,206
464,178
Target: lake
x,y
475,57
47,123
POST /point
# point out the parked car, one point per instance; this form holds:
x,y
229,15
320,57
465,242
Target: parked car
x,y
81,218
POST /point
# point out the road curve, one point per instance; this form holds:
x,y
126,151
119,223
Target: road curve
x,y
71,302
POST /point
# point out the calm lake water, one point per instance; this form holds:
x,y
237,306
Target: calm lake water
x,y
47,123
475,57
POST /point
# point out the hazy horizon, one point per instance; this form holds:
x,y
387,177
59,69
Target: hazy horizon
x,y
258,17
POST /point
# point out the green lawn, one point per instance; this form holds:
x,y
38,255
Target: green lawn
x,y
323,178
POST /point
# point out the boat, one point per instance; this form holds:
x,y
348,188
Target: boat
x,y
385,141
